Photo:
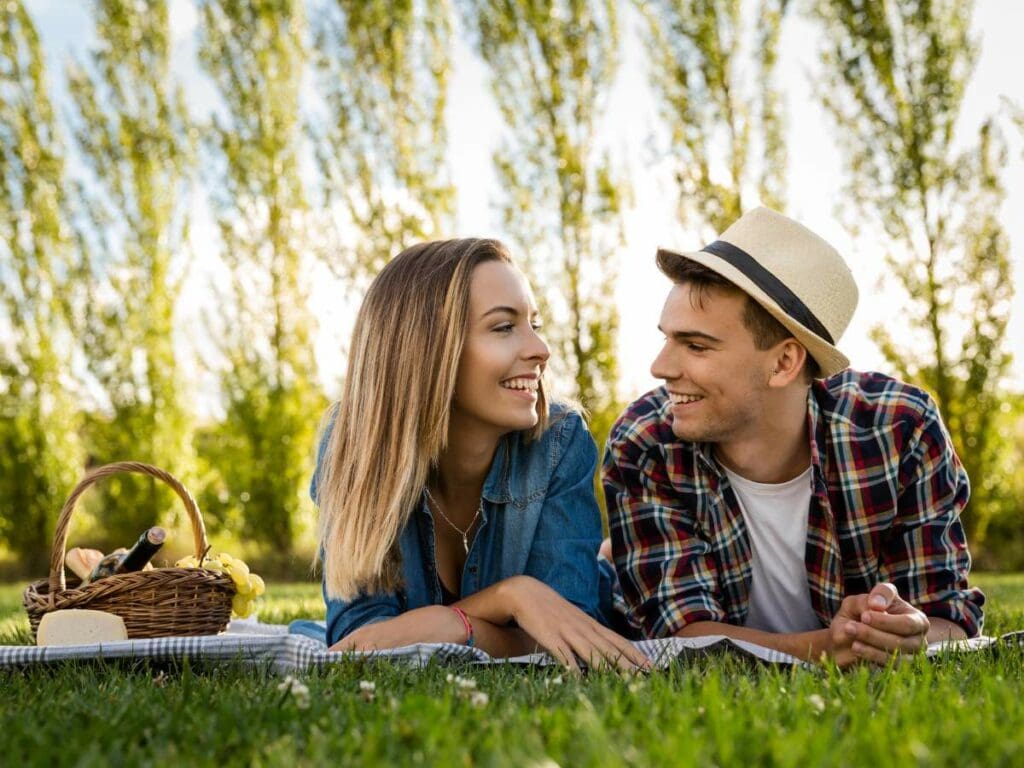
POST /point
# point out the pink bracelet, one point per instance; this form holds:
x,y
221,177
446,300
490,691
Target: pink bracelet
x,y
466,623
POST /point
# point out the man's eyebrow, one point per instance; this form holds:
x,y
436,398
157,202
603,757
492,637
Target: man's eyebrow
x,y
684,336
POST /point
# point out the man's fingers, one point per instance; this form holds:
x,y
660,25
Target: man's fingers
x,y
878,657
886,641
911,623
899,605
882,595
853,606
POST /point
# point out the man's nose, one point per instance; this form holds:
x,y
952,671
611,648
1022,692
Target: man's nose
x,y
663,366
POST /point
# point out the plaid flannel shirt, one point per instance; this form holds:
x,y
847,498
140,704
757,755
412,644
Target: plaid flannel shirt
x,y
887,492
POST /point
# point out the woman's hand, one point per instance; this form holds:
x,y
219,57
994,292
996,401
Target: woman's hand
x,y
566,632
432,624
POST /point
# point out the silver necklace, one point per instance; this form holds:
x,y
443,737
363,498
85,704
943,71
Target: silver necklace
x,y
432,504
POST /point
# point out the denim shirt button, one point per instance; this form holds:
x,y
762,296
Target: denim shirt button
x,y
472,569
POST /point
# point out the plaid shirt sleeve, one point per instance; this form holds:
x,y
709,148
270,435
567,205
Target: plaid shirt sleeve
x,y
668,576
927,557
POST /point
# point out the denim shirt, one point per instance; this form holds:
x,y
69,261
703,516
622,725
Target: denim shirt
x,y
539,518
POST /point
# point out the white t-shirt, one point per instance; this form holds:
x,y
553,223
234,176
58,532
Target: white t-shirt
x,y
776,519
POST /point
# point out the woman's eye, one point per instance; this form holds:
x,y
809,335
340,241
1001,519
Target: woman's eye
x,y
503,328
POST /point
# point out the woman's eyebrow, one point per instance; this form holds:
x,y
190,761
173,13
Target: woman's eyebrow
x,y
495,310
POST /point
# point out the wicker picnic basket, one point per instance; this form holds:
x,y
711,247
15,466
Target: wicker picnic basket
x,y
161,602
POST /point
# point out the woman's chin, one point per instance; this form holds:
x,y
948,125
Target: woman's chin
x,y
517,422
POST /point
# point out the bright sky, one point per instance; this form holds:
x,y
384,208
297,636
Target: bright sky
x,y
814,177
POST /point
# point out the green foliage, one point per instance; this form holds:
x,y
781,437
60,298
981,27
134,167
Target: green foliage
x,y
40,452
133,136
551,66
896,77
726,130
382,72
263,449
1004,539
709,711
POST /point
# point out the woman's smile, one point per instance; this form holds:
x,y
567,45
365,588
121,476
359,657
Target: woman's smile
x,y
522,387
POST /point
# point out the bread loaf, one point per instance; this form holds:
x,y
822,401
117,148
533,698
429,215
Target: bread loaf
x,y
80,561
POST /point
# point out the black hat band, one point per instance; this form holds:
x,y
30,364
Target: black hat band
x,y
770,284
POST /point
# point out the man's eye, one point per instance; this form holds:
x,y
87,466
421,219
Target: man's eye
x,y
536,325
696,347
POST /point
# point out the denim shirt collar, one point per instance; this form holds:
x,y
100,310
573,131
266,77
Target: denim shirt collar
x,y
496,485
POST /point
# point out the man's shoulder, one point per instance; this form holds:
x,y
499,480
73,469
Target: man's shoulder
x,y
645,423
869,400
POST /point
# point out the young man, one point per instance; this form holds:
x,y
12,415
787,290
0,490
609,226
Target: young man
x,y
767,492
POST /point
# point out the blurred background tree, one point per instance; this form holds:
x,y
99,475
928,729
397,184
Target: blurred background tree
x,y
133,138
40,451
713,72
255,53
894,80
551,65
329,146
381,138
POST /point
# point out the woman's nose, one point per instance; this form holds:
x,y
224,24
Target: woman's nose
x,y
537,348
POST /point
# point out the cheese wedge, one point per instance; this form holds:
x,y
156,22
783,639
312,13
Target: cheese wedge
x,y
79,627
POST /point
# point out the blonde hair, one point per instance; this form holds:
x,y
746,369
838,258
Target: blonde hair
x,y
391,423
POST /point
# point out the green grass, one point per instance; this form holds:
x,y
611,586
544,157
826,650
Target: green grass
x,y
720,711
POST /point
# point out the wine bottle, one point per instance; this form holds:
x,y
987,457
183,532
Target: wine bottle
x,y
134,559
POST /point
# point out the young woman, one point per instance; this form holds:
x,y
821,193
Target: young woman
x,y
455,504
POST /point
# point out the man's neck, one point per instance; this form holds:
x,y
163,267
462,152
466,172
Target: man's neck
x,y
776,449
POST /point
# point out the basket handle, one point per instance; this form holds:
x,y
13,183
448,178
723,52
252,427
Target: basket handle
x,y
60,534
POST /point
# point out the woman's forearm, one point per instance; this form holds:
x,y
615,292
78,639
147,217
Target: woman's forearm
x,y
491,611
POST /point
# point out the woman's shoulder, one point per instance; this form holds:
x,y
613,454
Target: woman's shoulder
x,y
566,432
565,423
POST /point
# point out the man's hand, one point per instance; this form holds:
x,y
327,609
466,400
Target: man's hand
x,y
432,624
566,632
872,627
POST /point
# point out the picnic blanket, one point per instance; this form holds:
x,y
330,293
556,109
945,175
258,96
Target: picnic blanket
x,y
253,643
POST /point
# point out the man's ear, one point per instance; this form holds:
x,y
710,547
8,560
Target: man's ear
x,y
789,362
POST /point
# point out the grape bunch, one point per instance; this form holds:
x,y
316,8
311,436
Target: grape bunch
x,y
248,586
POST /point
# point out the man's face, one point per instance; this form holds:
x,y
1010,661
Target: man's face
x,y
716,377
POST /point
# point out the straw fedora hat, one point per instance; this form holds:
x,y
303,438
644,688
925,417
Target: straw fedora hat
x,y
800,279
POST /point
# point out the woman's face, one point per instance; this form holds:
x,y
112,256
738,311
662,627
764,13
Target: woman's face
x,y
503,357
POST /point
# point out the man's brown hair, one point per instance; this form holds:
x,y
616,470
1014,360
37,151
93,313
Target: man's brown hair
x,y
766,330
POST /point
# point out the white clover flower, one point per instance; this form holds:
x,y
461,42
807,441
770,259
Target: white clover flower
x,y
298,690
479,699
367,690
553,681
816,702
465,683
286,684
